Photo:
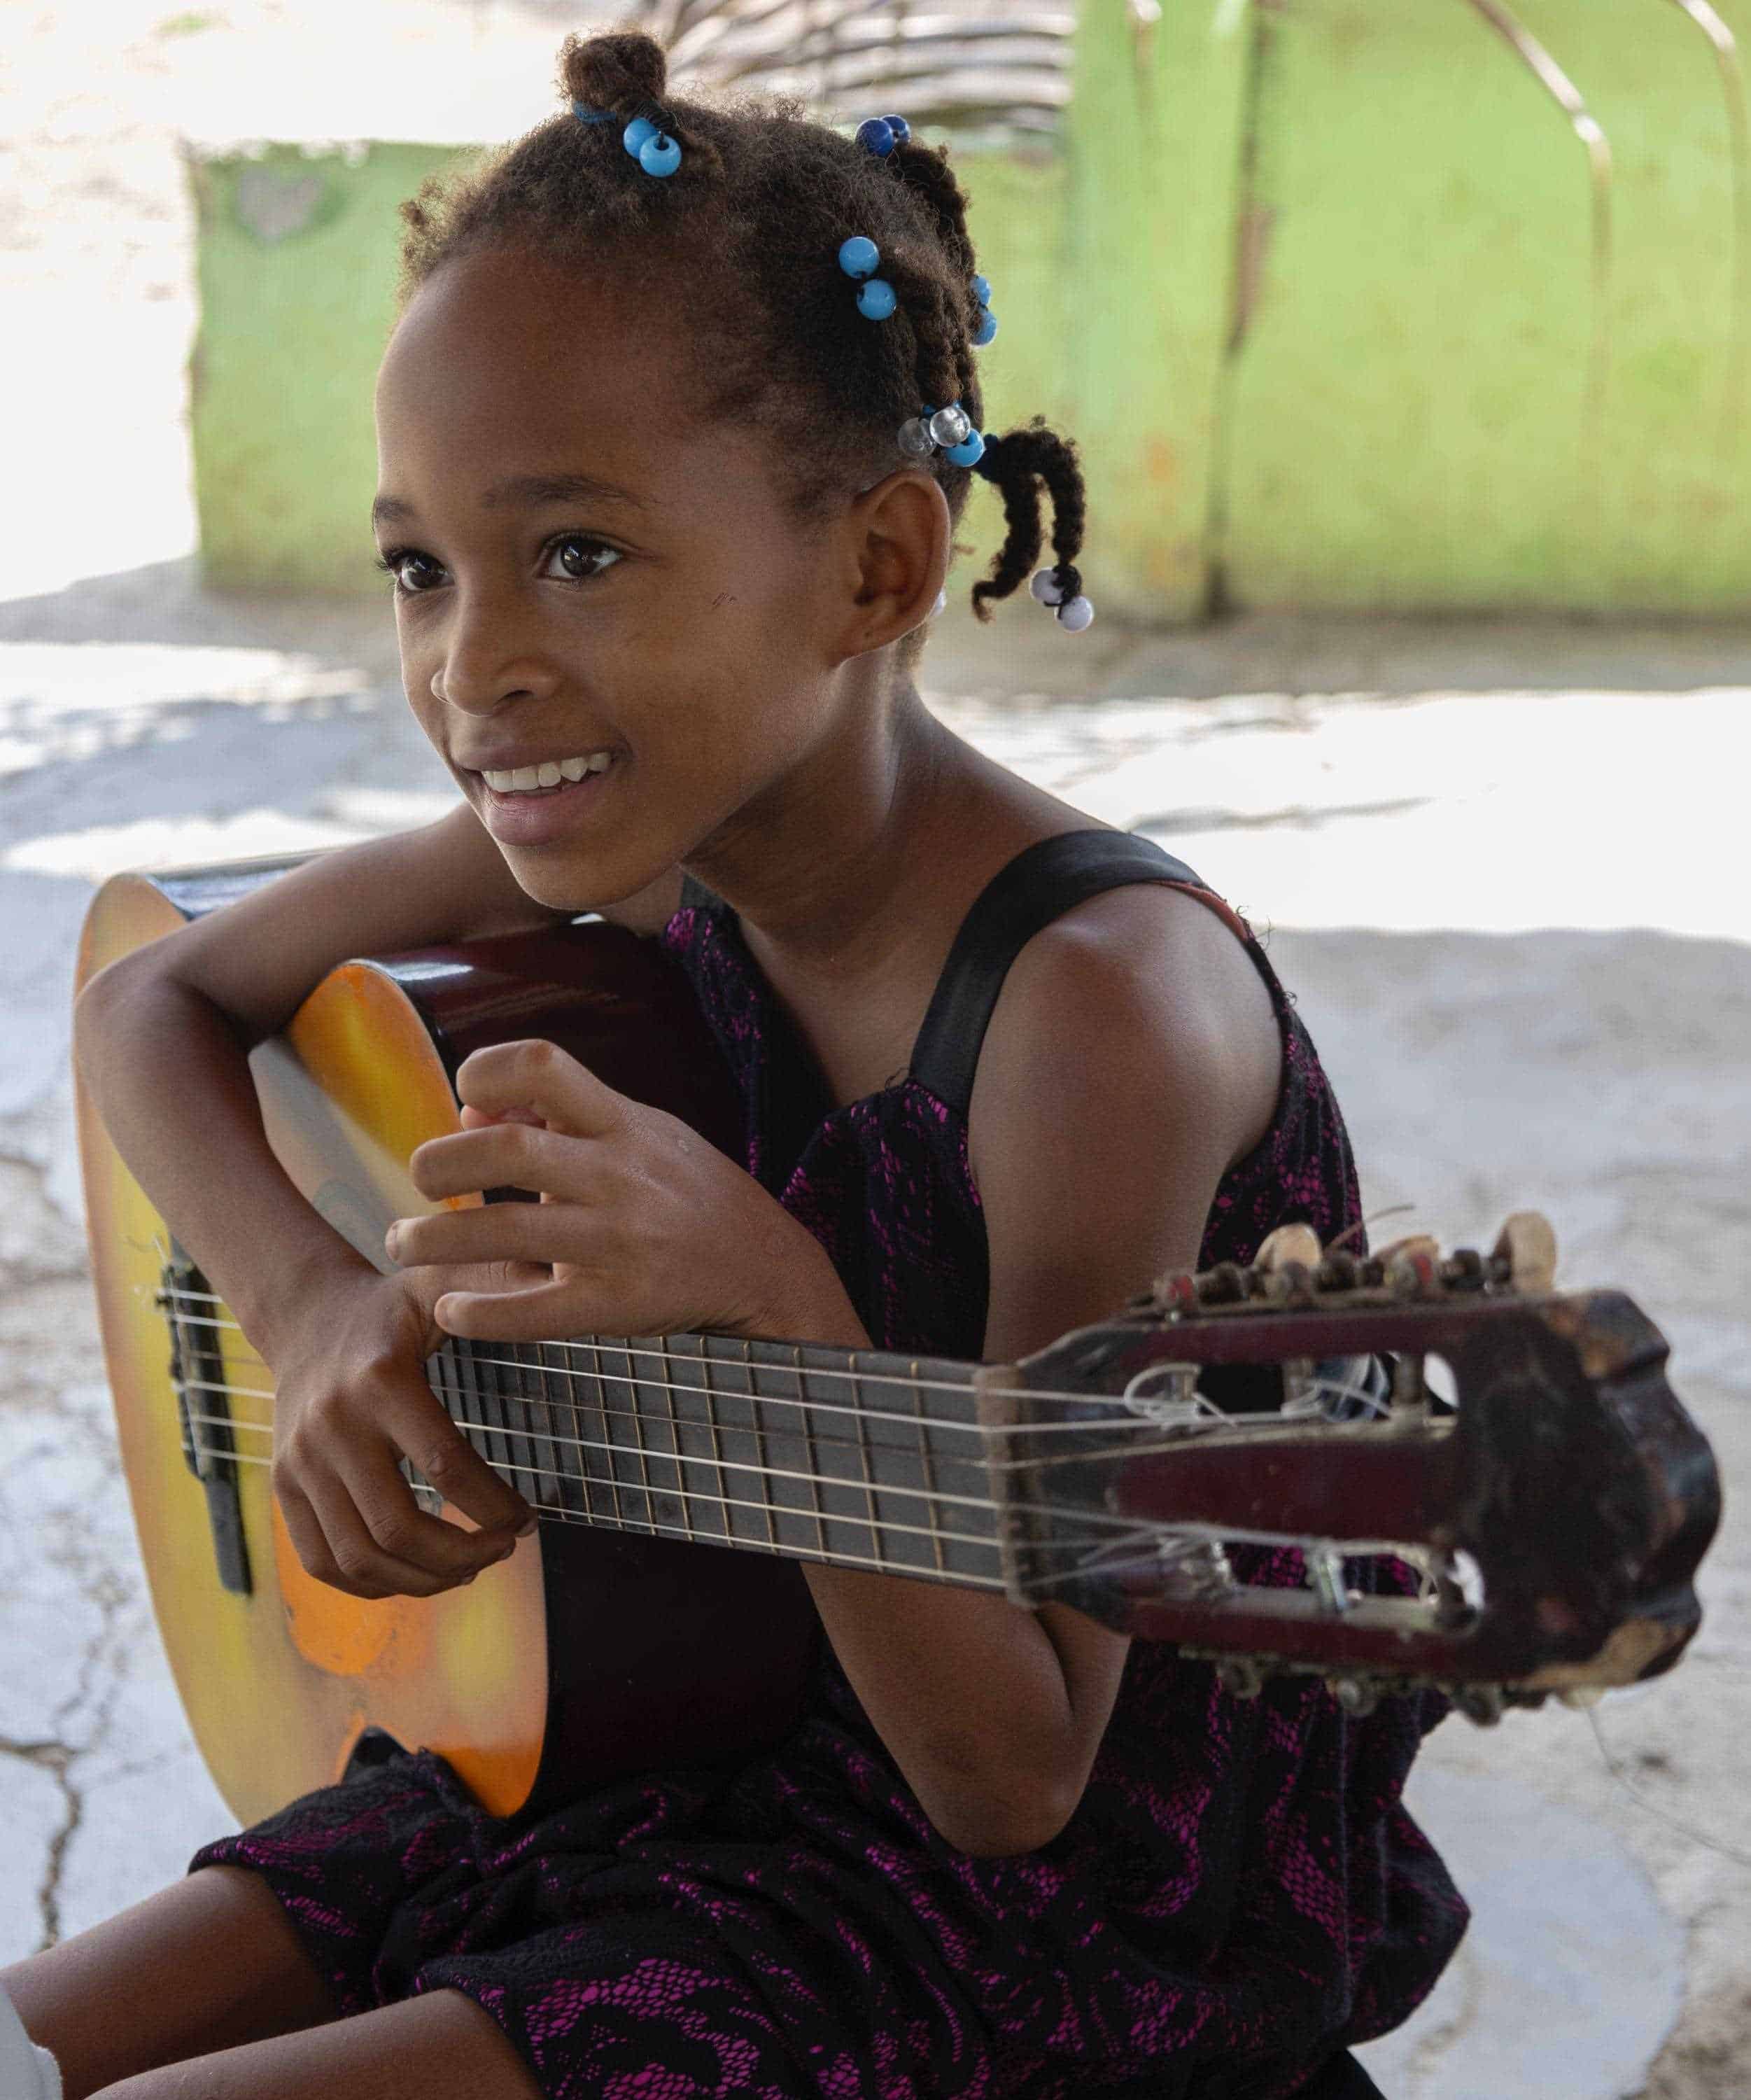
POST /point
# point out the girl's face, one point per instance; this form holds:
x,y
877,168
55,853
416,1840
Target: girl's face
x,y
590,574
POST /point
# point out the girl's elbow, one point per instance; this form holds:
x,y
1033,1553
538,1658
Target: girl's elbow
x,y
999,1826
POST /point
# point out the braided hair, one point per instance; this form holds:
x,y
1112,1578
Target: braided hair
x,y
751,223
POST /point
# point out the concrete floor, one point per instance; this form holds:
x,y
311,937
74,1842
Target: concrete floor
x,y
1494,859
1495,1041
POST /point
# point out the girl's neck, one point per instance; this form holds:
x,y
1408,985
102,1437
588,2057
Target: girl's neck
x,y
816,869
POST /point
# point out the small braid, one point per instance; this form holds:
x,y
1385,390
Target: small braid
x,y
627,73
1016,463
751,222
926,305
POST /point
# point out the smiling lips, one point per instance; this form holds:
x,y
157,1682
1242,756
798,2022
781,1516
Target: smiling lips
x,y
552,773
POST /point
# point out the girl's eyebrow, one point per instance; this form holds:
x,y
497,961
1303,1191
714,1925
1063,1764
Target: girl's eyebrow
x,y
528,489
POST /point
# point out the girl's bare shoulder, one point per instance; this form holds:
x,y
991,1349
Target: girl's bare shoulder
x,y
1133,1055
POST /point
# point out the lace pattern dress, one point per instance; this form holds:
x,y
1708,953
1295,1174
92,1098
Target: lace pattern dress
x,y
1240,1894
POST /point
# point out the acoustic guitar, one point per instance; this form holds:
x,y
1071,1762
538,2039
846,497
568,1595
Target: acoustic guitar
x,y
1552,1506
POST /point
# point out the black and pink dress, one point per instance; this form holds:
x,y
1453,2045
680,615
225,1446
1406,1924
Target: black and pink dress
x,y
1240,1894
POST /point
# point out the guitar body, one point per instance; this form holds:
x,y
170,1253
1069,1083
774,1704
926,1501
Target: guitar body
x,y
589,1653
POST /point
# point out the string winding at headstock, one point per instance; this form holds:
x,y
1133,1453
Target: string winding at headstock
x,y
1250,1462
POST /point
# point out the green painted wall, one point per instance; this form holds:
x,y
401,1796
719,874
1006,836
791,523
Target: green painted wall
x,y
1313,282
1413,420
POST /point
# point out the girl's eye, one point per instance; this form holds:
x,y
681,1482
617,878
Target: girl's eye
x,y
579,556
409,567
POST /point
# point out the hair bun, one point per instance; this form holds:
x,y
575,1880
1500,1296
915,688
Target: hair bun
x,y
622,71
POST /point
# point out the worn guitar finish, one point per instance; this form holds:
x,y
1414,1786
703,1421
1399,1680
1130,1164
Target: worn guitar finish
x,y
1557,1516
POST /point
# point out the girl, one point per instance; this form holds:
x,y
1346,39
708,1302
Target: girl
x,y
666,524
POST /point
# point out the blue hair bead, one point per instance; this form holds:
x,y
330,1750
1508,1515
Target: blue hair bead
x,y
875,136
659,155
985,328
901,130
858,256
637,136
968,453
876,299
982,290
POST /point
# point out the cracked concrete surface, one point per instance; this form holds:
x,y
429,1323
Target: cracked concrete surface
x,y
1499,861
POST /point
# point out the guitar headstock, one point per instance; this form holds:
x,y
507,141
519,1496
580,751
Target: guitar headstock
x,y
1239,1461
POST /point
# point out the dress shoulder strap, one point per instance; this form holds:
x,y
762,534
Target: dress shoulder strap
x,y
1042,882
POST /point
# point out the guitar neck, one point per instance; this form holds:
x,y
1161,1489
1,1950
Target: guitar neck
x,y
859,1458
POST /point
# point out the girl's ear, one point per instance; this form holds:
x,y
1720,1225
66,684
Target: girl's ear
x,y
896,541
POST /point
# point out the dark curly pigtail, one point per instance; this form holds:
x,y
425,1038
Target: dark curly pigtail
x,y
1016,463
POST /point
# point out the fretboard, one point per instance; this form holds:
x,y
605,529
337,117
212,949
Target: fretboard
x,y
858,1458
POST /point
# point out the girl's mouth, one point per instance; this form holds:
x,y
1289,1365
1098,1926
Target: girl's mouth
x,y
528,814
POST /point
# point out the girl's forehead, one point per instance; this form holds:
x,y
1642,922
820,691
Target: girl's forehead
x,y
502,347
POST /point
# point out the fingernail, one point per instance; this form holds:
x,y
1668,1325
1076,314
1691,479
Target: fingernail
x,y
389,1237
529,1529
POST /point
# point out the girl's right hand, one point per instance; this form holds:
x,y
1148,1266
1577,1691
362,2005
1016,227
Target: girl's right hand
x,y
352,1399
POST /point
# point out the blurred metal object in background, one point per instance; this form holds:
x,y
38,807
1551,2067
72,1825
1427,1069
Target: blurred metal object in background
x,y
988,68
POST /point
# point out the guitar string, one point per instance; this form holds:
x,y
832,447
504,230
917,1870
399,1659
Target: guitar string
x,y
1262,1426
630,1348
928,1495
1148,1535
886,1563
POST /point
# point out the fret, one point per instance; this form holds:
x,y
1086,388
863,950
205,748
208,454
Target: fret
x,y
513,1389
468,1397
717,1432
677,1491
789,1443
641,1445
757,1423
862,1428
556,1487
483,1374
542,1485
812,1457
927,1468
606,1379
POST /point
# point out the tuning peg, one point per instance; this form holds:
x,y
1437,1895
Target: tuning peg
x,y
1288,1243
1412,1266
1482,1705
1527,1246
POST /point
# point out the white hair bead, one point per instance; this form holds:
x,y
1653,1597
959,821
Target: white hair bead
x,y
915,440
951,426
941,604
1076,614
1046,587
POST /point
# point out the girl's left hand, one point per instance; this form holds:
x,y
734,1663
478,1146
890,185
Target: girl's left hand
x,y
646,1226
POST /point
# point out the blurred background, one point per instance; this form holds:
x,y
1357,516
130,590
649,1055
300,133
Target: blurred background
x,y
1407,346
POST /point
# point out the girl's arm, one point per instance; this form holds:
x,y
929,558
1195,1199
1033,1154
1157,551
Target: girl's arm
x,y
162,1037
1133,1055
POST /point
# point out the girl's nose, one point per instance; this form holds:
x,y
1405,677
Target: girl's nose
x,y
483,667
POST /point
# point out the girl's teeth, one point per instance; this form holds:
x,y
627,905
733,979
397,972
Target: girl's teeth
x,y
548,773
